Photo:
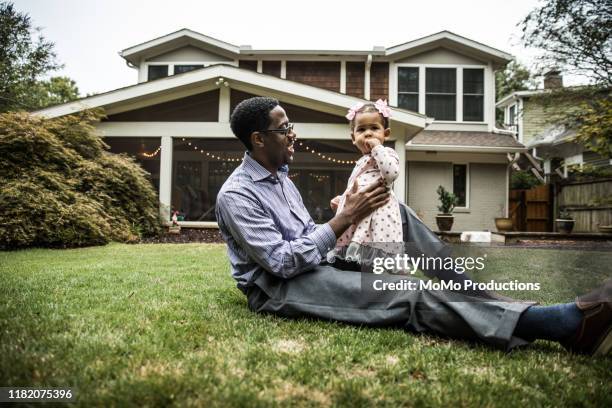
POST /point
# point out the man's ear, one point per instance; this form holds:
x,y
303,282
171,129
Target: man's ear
x,y
257,139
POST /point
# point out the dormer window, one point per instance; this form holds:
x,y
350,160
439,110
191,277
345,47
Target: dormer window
x,y
408,88
473,95
441,93
179,69
157,71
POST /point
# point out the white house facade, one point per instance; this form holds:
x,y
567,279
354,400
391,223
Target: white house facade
x,y
175,120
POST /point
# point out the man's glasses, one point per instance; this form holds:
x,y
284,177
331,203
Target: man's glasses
x,y
284,131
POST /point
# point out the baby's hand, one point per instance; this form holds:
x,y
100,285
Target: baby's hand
x,y
372,143
334,203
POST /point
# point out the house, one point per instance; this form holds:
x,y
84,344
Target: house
x,y
552,149
175,120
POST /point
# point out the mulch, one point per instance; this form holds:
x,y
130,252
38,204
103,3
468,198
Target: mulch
x,y
187,235
212,236
563,244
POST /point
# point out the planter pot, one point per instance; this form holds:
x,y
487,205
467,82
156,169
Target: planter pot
x,y
445,222
564,226
503,224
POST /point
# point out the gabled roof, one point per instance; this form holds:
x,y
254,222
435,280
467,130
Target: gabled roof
x,y
177,39
189,37
217,75
454,42
514,96
464,141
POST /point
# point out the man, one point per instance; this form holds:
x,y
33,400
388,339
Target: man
x,y
276,253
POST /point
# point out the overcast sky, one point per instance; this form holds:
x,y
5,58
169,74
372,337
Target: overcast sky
x,y
89,34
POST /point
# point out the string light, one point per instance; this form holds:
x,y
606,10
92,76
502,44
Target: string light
x,y
325,157
212,155
151,155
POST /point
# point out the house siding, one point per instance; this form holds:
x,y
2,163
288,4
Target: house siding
x,y
248,64
271,68
322,74
190,54
537,117
202,107
379,81
487,195
295,113
441,56
355,77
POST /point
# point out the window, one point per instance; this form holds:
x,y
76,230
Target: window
x,y
408,88
473,95
511,115
460,184
179,69
157,71
441,93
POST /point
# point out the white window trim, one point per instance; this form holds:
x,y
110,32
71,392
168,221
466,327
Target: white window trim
x,y
171,65
467,185
507,122
394,86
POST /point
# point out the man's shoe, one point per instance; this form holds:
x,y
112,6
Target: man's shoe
x,y
594,336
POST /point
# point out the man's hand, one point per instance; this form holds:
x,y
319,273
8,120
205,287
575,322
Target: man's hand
x,y
334,203
359,204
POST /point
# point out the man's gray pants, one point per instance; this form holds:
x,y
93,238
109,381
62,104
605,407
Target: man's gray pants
x,y
336,295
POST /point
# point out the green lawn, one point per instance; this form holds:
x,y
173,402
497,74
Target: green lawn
x,y
162,324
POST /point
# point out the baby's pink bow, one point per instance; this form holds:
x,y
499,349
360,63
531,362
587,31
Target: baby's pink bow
x,y
383,108
351,113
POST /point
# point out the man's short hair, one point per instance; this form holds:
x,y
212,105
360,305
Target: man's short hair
x,y
251,115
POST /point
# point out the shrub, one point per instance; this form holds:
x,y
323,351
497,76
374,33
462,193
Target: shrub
x,y
523,180
448,201
59,186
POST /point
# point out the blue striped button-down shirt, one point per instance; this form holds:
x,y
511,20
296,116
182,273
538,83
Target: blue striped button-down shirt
x,y
266,226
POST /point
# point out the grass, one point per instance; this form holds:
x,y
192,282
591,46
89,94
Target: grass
x,y
152,325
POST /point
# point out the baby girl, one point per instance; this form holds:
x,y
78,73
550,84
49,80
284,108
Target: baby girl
x,y
380,233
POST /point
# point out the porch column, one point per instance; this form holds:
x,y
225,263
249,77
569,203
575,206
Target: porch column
x,y
165,178
399,187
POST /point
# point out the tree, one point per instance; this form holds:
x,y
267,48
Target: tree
x,y
54,91
514,77
574,35
24,63
595,126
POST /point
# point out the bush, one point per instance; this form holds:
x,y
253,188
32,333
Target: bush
x,y
523,180
59,186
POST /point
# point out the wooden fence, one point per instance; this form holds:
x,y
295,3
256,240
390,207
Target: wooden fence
x,y
531,210
588,202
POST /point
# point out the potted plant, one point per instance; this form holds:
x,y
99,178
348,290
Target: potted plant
x,y
565,222
503,224
448,201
